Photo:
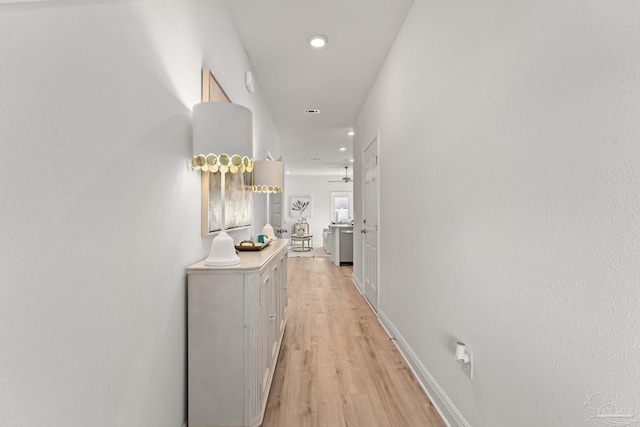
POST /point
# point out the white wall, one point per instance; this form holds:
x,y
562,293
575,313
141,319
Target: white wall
x,y
100,210
518,123
320,191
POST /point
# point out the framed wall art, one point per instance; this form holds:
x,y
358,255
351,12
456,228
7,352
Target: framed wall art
x,y
300,207
238,201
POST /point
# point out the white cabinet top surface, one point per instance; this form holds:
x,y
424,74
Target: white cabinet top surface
x,y
249,260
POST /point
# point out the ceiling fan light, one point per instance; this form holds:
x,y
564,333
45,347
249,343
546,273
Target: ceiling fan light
x,y
346,179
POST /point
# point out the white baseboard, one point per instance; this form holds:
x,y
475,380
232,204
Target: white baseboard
x,y
445,407
356,281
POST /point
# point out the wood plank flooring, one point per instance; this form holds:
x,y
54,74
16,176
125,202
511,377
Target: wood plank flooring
x,y
337,367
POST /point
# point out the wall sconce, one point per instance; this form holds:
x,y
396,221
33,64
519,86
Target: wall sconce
x,y
268,177
222,127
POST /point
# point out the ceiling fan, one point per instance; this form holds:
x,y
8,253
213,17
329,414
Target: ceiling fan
x,y
346,178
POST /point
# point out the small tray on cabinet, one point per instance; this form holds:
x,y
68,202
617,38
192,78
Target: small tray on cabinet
x,y
249,245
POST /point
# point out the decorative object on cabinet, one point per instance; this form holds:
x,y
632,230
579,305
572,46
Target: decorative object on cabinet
x,y
236,318
250,245
300,207
268,177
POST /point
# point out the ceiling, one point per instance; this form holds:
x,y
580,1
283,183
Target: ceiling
x,y
335,79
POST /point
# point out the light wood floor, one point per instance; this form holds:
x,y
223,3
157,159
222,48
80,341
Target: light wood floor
x,y
336,366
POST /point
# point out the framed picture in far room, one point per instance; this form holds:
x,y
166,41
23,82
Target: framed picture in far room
x,y
300,207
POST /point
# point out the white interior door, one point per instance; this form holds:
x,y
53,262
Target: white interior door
x,y
370,229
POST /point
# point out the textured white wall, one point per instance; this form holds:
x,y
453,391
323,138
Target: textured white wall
x,y
320,191
518,125
99,211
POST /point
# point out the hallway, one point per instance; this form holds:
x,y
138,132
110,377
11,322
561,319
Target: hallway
x,y
337,366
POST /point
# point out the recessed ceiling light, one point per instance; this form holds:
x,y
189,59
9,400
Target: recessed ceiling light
x,y
351,160
312,111
342,149
318,41
350,133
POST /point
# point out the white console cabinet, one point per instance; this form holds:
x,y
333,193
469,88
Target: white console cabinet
x,y
236,320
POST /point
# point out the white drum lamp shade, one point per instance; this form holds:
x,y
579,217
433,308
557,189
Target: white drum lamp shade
x,y
222,127
268,177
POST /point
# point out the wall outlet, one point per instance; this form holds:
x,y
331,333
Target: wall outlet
x,y
467,368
